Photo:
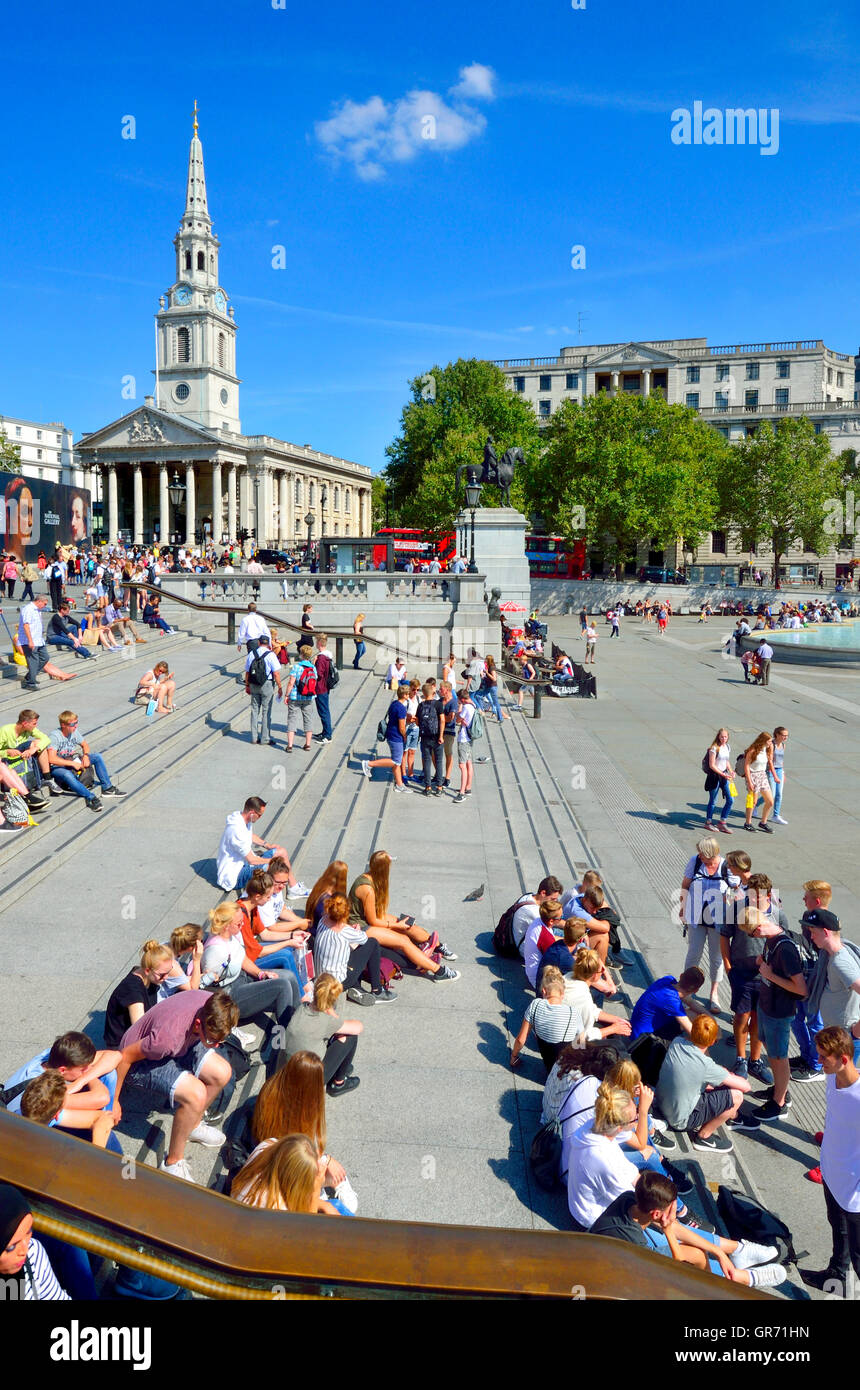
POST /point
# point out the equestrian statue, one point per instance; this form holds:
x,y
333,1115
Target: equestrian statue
x,y
497,471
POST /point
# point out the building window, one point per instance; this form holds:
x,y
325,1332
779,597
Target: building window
x,y
546,383
545,407
519,383
347,500
39,451
59,439
692,374
829,376
182,391
187,260
17,431
752,371
840,378
183,345
40,472
692,399
660,380
783,371
751,400
723,371
631,383
312,495
222,350
201,260
38,434
718,542
335,528
781,396
571,381
298,492
721,400
723,430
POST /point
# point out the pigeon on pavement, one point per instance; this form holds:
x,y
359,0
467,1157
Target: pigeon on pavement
x,y
475,895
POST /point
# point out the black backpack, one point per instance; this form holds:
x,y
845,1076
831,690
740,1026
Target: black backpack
x,y
7,1096
746,1219
257,673
427,716
503,936
648,1051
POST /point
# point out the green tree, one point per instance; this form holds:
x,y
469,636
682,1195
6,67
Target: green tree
x,y
625,469
10,455
377,501
444,425
780,485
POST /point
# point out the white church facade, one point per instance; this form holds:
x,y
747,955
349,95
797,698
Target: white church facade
x,y
189,431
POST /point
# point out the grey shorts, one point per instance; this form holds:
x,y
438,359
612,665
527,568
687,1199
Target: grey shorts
x,y
464,753
709,1105
160,1079
299,715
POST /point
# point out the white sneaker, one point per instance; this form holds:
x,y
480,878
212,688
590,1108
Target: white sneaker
x,y
246,1039
345,1192
208,1135
748,1254
177,1170
767,1276
780,821
402,791
298,890
365,767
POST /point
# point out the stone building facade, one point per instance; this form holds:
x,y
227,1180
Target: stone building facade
x,y
735,388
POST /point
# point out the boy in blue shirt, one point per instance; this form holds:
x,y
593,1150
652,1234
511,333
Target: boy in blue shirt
x,y
664,1006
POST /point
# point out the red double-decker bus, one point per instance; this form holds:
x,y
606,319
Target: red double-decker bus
x,y
412,543
553,555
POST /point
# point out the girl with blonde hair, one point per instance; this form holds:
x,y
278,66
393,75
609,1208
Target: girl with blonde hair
x,y
138,992
283,1175
158,684
758,766
318,1026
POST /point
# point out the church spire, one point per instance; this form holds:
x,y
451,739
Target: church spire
x,y
196,207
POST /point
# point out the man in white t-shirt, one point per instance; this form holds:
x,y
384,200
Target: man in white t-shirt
x,y
237,858
251,629
840,1163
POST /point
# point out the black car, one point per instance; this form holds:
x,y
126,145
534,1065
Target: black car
x,y
273,557
660,574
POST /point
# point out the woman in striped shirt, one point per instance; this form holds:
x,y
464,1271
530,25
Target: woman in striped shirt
x,y
345,951
22,1257
554,1022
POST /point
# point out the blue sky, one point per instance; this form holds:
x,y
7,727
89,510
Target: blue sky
x,y
409,243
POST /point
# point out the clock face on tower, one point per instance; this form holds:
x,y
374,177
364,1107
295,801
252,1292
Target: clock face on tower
x,y
220,301
182,295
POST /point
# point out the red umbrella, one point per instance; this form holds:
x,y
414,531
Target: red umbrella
x,y
511,607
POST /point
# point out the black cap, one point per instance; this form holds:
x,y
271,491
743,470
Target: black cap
x,y
827,921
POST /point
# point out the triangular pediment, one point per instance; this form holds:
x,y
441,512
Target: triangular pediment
x,y
146,426
632,355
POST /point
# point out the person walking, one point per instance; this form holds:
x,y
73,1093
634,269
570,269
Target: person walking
x,y
29,574
262,679
776,778
758,762
590,635
465,716
325,667
395,734
358,638
764,656
252,629
301,689
719,778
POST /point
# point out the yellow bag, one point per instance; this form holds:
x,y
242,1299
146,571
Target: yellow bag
x,y
750,803
733,791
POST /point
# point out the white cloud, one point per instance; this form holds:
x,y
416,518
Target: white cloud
x,y
477,82
374,134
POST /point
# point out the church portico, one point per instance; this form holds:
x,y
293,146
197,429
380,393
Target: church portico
x,y
185,437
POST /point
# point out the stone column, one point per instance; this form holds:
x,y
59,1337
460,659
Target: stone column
x,y
163,506
217,503
113,506
614,383
285,511
244,500
263,519
138,503
646,382
231,501
190,504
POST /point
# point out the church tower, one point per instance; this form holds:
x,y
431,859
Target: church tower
x,y
196,334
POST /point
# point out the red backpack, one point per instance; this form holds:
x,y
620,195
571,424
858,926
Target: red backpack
x,y
306,685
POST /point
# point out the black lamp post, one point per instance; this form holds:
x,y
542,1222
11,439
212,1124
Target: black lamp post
x,y
176,493
473,500
309,522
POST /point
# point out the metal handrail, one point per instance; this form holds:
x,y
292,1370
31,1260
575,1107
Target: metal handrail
x,y
230,611
223,1249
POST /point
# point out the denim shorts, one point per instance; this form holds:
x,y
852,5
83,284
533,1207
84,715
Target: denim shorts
x,y
774,1033
411,735
395,748
160,1078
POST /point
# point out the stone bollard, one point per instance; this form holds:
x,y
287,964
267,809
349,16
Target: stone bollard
x,y
338,653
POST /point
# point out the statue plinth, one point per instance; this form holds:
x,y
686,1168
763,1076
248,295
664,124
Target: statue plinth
x,y
500,550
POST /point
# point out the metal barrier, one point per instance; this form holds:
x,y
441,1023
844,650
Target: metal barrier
x,y
217,1247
